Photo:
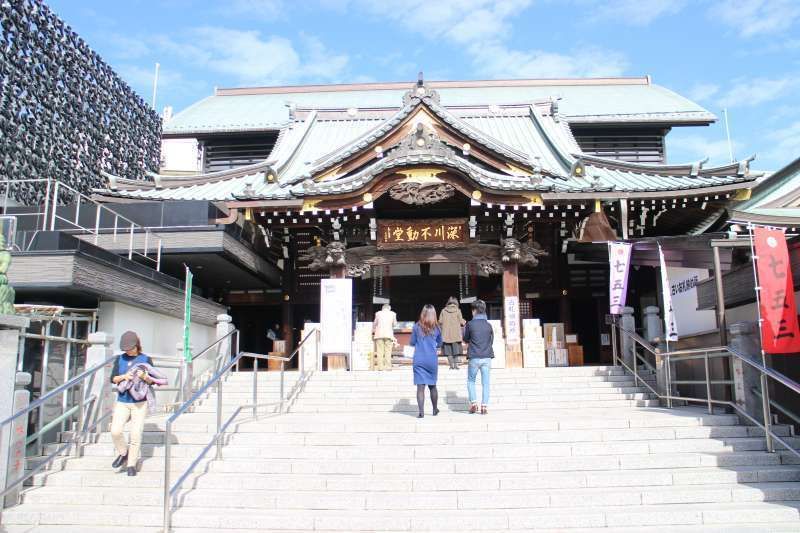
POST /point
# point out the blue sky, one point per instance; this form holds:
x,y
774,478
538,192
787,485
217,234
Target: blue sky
x,y
743,55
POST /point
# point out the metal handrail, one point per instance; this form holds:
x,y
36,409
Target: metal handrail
x,y
58,390
82,408
217,379
785,410
675,356
213,344
122,224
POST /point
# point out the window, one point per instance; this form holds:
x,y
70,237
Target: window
x,y
638,145
231,151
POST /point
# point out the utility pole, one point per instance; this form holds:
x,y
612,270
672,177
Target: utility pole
x,y
728,134
155,85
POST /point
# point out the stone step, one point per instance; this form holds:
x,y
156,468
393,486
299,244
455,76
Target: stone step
x,y
211,495
411,520
461,451
407,406
511,392
548,419
425,476
446,395
312,389
401,403
464,436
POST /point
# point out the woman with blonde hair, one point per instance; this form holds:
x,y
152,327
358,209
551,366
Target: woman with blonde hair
x,y
426,338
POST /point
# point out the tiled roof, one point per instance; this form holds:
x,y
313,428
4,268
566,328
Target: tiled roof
x,y
536,137
616,100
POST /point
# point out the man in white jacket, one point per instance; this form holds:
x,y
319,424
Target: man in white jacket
x,y
383,335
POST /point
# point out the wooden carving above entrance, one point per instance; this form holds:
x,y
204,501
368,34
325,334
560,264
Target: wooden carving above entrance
x,y
415,193
359,260
429,233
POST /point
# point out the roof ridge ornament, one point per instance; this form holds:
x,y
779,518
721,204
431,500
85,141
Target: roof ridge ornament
x,y
697,167
419,92
744,166
421,139
554,109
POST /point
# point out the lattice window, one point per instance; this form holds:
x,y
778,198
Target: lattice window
x,y
226,152
635,145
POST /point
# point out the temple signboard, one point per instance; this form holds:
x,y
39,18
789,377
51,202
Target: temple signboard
x,y
434,233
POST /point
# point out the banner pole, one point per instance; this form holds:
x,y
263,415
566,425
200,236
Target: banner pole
x,y
187,315
753,260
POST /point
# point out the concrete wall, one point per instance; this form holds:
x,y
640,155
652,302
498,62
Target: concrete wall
x,y
159,332
180,155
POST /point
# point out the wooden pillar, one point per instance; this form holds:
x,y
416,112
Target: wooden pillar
x,y
337,361
339,271
511,315
288,289
287,322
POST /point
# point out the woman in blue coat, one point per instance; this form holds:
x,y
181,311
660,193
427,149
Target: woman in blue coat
x,y
426,338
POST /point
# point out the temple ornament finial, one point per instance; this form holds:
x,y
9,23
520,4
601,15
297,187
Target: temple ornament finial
x,y
420,92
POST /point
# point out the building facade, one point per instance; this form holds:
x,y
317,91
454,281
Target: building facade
x,y
418,192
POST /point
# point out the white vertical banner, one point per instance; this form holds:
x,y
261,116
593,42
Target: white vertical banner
x,y
619,263
670,327
336,315
511,313
683,289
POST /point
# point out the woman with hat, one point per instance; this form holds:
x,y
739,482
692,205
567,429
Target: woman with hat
x,y
127,407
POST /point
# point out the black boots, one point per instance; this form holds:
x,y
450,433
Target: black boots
x,y
119,461
131,471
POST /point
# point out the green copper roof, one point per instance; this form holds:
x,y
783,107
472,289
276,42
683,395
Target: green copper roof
x,y
583,101
776,190
774,200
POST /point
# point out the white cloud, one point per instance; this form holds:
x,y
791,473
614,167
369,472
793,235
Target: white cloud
x,y
170,82
255,59
755,91
686,147
703,91
785,144
460,21
258,9
482,28
636,12
757,17
497,61
124,47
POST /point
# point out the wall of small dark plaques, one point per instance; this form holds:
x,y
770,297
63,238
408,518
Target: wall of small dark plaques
x,y
64,113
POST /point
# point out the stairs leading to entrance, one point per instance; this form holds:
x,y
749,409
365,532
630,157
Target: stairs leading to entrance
x,y
574,449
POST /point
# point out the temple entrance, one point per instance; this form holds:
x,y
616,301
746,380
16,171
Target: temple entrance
x,y
408,287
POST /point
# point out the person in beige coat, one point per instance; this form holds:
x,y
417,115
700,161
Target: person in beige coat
x,y
451,322
383,334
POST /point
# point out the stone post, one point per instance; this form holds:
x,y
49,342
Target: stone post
x,y
225,326
627,322
187,373
227,348
19,428
743,338
99,350
653,326
11,327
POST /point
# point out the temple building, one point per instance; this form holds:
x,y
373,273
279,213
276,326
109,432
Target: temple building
x,y
498,190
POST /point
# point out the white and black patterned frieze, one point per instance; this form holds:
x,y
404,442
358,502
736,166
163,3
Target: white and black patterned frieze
x,y
64,112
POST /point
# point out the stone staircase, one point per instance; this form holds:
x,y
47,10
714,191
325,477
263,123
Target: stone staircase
x,y
562,449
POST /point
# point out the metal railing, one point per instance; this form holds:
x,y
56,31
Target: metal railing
x,y
86,423
670,358
170,489
137,241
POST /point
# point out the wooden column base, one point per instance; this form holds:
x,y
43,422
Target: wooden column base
x,y
337,361
513,356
